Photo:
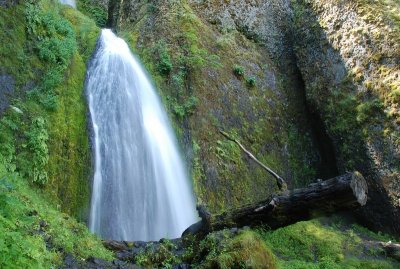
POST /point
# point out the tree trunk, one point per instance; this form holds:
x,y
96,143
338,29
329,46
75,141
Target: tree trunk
x,y
343,192
392,250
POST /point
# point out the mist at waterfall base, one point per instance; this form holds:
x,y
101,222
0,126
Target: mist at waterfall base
x,y
140,188
68,2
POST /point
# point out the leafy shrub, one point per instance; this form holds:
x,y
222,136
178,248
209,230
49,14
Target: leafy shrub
x,y
164,65
251,81
369,110
185,109
238,70
95,11
158,256
37,143
54,40
24,241
52,35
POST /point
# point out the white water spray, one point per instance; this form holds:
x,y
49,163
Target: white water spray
x,y
69,2
140,188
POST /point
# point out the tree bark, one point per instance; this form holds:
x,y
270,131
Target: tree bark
x,y
340,193
392,250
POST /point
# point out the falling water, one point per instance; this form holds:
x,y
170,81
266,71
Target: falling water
x,y
68,2
140,188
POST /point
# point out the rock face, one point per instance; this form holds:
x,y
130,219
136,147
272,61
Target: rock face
x,y
349,57
265,21
228,75
325,99
7,88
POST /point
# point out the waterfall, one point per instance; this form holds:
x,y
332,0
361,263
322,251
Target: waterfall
x,y
68,2
140,187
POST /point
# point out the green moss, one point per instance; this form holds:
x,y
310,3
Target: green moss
x,y
161,256
238,70
69,165
34,234
93,10
164,64
56,155
202,61
246,250
67,143
85,30
304,170
251,81
312,244
368,111
13,22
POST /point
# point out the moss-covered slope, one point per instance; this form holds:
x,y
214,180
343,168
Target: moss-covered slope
x,y
44,150
43,126
33,234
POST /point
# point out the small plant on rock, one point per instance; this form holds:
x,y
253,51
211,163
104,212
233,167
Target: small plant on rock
x,y
238,70
251,81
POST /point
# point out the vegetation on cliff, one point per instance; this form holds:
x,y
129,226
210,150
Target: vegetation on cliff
x,y
34,234
348,53
43,138
213,79
211,76
43,134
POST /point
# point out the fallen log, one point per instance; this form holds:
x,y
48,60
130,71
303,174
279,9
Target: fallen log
x,y
340,193
392,250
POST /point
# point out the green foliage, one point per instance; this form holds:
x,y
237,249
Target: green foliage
x,y
164,64
44,138
54,41
160,256
369,111
377,236
251,81
95,11
37,143
246,250
341,118
28,223
228,151
9,124
303,169
313,245
291,242
183,110
238,70
52,35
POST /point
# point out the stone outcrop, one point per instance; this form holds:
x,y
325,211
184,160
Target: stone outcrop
x,y
214,59
327,75
349,56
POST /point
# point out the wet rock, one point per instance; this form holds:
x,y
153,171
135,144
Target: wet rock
x,y
181,266
43,224
339,53
141,244
7,88
115,245
234,231
70,262
8,3
125,255
93,262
